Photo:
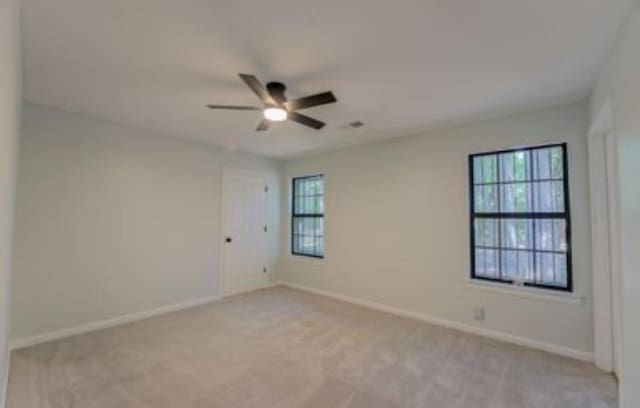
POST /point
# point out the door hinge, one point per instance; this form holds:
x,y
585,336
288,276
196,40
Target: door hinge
x,y
266,189
265,228
264,269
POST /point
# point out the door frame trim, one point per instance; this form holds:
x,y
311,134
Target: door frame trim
x,y
223,225
605,238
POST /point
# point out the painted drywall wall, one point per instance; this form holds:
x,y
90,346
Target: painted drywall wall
x,y
620,80
10,104
397,226
112,220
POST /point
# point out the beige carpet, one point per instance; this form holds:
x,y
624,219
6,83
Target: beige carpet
x,y
284,348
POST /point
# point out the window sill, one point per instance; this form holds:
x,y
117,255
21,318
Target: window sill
x,y
543,295
302,258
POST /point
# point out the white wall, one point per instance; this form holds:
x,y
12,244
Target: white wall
x,y
112,220
397,226
620,79
10,103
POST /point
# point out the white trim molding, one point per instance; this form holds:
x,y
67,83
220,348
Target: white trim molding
x,y
5,387
603,122
105,324
463,327
605,232
543,295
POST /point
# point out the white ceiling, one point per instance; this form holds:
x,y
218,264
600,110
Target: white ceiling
x,y
399,66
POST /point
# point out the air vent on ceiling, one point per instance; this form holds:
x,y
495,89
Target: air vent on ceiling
x,y
352,125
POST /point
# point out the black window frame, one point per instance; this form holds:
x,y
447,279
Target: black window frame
x,y
566,216
295,215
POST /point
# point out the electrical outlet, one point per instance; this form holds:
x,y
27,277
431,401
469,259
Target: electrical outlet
x,y
478,313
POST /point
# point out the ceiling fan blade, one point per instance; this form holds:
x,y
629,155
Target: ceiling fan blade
x,y
306,120
264,125
313,100
234,107
255,85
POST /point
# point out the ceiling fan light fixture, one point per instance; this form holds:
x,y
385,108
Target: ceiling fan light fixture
x,y
275,106
275,114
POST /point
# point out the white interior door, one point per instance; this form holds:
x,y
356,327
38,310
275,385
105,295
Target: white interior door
x,y
244,254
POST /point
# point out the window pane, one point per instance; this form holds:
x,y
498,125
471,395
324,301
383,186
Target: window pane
x,y
541,164
514,166
486,233
319,250
548,196
506,167
548,163
308,195
310,207
490,169
560,267
546,271
319,236
551,269
486,199
551,235
485,169
306,244
317,204
298,188
295,243
487,263
320,227
521,166
557,163
517,234
517,265
526,272
306,187
509,264
492,263
515,197
557,196
478,176
480,262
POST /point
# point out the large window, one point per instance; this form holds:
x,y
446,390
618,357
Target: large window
x,y
520,221
307,223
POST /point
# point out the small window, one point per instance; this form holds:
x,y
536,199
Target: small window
x,y
520,221
307,223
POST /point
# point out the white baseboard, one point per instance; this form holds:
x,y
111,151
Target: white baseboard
x,y
104,324
467,328
493,334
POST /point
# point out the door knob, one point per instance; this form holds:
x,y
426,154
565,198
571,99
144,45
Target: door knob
x,y
228,239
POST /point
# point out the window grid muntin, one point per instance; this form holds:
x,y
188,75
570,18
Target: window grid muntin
x,y
299,215
532,157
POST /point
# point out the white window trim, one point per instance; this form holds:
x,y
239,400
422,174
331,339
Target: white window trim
x,y
534,293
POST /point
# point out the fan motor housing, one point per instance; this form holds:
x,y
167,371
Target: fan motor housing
x,y
277,90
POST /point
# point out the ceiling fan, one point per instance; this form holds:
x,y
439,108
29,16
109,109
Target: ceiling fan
x,y
275,106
